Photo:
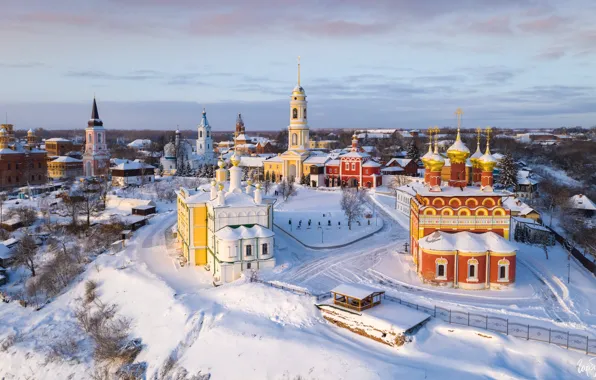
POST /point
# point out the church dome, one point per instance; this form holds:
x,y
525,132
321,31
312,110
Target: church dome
x,y
487,161
458,152
169,150
30,132
436,162
298,90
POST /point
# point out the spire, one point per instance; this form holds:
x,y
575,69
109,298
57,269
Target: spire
x,y
488,132
94,113
95,121
298,70
239,119
459,112
436,140
204,122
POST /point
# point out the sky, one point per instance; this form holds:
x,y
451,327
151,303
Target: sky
x,y
364,63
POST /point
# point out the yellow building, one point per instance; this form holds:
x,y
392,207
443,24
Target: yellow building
x,y
226,228
192,226
323,144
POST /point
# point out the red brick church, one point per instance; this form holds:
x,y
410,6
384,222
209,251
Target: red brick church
x,y
459,231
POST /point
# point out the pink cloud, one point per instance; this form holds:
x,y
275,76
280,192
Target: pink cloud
x,y
493,25
543,25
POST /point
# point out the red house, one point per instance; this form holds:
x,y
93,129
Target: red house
x,y
408,167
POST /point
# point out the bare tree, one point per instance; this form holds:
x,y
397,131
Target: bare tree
x,y
25,251
352,203
72,205
26,215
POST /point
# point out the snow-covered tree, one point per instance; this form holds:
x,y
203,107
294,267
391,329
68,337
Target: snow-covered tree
x,y
352,203
413,152
508,173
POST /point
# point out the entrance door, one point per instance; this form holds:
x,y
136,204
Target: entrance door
x,y
292,172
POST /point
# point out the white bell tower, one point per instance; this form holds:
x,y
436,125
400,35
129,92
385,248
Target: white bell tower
x,y
298,128
204,139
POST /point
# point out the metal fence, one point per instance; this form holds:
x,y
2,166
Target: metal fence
x,y
563,339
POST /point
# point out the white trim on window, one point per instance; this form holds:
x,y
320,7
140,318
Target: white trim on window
x,y
503,271
440,266
472,270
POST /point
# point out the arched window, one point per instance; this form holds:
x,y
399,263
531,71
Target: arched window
x,y
472,270
294,138
295,113
200,134
441,269
207,133
99,137
305,113
90,137
503,273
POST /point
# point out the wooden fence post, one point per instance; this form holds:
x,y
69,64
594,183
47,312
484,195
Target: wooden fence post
x,y
449,316
507,326
468,318
549,333
435,311
587,344
528,335
486,322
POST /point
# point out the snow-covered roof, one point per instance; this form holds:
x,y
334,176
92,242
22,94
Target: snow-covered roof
x,y
58,139
5,252
140,143
316,159
516,205
581,202
242,232
391,169
241,136
333,163
275,159
400,161
66,159
252,162
523,178
466,242
358,291
132,165
355,154
371,164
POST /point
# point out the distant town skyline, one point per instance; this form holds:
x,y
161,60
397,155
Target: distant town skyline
x,y
384,64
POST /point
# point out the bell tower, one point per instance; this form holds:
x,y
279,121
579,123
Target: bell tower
x,y
97,157
205,140
298,128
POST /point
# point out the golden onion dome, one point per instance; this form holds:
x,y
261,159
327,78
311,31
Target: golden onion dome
x,y
30,132
458,152
213,183
2,131
427,156
258,186
436,162
248,182
475,157
487,162
221,186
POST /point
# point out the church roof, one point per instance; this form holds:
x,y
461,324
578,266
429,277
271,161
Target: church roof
x,y
467,242
95,121
243,232
204,122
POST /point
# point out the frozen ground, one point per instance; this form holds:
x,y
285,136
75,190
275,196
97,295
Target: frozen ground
x,y
328,224
251,331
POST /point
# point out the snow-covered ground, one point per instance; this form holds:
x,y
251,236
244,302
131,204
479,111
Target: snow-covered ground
x,y
252,331
328,224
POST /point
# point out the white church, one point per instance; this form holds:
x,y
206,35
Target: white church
x,y
186,152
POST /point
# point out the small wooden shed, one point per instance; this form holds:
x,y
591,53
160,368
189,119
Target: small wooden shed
x,y
144,210
356,296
